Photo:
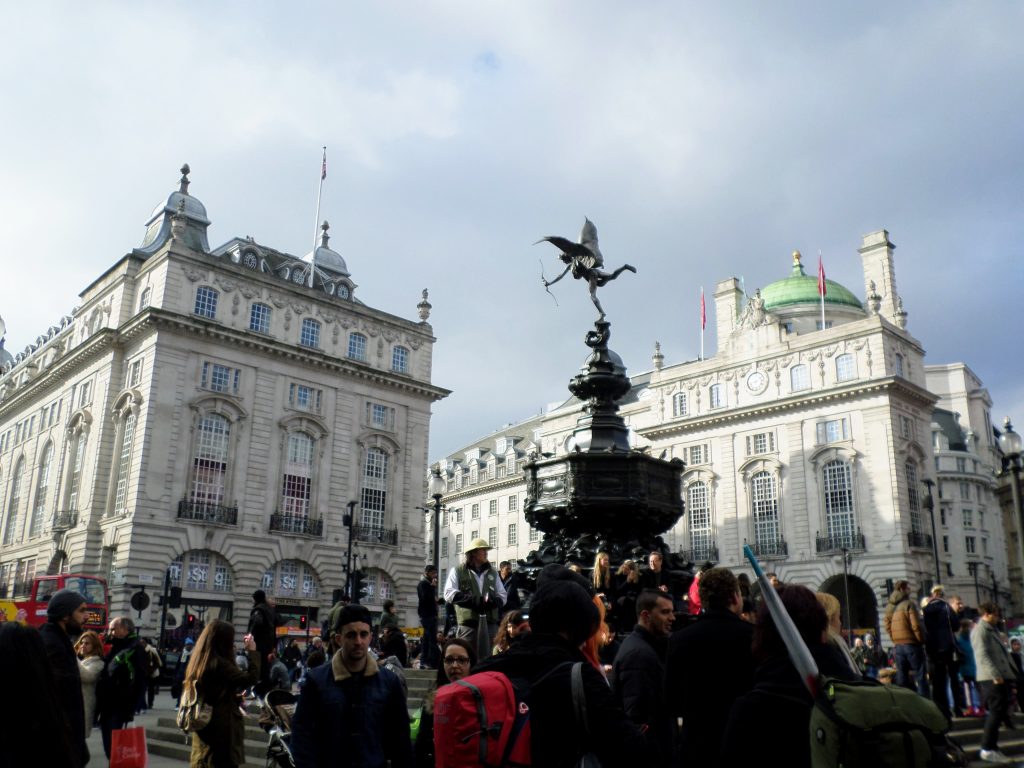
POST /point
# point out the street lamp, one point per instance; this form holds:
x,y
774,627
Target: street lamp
x,y
349,521
929,504
436,489
1010,444
846,591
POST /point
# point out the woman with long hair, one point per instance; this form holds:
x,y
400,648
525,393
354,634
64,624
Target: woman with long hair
x,y
457,658
627,587
513,624
218,682
601,578
90,663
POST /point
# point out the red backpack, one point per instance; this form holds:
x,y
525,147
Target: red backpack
x,y
482,720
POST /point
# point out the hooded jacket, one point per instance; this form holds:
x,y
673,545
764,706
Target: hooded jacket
x,y
903,621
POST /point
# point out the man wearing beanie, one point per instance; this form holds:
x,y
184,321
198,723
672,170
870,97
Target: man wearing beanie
x,y
351,711
65,614
562,617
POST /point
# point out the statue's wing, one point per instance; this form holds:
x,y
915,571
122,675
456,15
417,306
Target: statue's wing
x,y
588,239
567,246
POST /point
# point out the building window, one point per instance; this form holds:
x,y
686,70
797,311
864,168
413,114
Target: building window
x,y
490,469
458,516
85,394
206,302
14,503
296,486
965,490
219,378
400,360
698,454
124,463
716,396
700,520
800,378
510,464
839,517
309,336
492,507
492,537
961,465
474,534
380,416
458,543
534,534
970,544
968,518
513,503
357,346
818,326
765,509
916,524
832,431
513,537
679,404
373,499
444,547
762,442
147,294
846,368
899,364
907,427
209,468
474,512
984,547
42,491
75,469
259,318
945,544
942,515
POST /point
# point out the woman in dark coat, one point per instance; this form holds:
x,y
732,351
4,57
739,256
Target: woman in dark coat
x,y
218,682
455,650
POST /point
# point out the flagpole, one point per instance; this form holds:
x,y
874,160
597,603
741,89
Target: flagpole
x,y
316,223
821,288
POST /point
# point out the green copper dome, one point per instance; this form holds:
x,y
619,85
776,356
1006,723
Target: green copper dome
x,y
801,288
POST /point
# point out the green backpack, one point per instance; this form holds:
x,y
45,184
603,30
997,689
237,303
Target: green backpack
x,y
869,724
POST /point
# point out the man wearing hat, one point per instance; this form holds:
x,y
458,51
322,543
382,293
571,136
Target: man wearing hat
x,y
351,711
65,614
478,595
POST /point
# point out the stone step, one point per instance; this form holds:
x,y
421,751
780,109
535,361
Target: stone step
x,y
252,730
173,738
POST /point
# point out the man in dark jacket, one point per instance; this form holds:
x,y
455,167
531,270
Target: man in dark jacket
x,y
638,679
263,628
562,617
123,679
426,608
351,711
940,628
65,614
709,666
509,580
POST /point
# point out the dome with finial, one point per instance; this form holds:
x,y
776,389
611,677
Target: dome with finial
x,y
326,259
179,203
801,288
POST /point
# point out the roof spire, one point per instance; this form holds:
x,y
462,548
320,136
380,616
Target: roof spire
x,y
185,171
324,237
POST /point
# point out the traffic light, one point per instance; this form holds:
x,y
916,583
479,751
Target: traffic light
x,y
357,586
303,621
174,599
190,621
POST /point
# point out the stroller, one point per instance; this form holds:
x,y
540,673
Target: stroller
x,y
276,712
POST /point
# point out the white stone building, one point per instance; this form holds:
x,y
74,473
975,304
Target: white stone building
x,y
209,413
804,441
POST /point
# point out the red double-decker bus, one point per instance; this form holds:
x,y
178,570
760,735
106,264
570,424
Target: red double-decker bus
x,y
32,611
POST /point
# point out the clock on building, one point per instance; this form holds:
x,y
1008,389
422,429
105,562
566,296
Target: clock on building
x,y
757,382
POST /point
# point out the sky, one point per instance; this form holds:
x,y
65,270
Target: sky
x,y
705,140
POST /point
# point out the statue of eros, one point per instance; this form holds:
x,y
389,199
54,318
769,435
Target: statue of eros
x,y
585,260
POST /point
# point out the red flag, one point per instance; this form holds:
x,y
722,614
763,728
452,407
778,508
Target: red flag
x,y
703,312
323,166
822,291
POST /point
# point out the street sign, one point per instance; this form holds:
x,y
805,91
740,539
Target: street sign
x,y
140,601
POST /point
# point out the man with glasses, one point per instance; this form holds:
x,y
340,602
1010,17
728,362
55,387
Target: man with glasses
x,y
351,711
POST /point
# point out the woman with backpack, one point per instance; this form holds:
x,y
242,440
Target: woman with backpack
x,y
219,683
457,658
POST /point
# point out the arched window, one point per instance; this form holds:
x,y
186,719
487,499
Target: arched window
x,y
764,509
259,318
291,578
147,294
799,377
379,586
357,346
840,521
309,336
200,570
374,495
42,491
400,360
679,404
14,503
124,463
916,523
210,465
846,368
297,484
700,520
206,301
78,435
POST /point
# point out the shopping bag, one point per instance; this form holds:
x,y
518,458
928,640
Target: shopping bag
x,y
128,748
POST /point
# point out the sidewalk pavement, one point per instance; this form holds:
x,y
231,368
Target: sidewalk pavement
x,y
163,706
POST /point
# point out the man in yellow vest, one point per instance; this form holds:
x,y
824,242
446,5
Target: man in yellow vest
x,y
478,596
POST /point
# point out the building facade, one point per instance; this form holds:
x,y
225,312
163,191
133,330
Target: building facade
x,y
208,415
809,439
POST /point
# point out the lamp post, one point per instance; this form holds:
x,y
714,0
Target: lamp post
x,y
846,591
349,521
436,489
1010,444
929,504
